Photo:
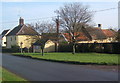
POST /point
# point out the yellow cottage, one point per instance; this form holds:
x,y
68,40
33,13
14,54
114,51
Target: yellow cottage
x,y
22,35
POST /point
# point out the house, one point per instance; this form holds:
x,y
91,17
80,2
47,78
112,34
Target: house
x,y
110,34
95,34
4,33
22,36
49,45
92,35
81,38
49,41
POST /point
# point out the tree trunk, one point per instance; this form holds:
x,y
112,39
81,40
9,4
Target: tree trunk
x,y
42,52
73,48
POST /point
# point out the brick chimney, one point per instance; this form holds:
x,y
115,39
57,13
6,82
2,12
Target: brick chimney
x,y
21,21
100,25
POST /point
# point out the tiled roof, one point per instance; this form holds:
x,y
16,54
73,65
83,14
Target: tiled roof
x,y
40,42
96,33
23,30
51,36
109,33
81,36
45,37
87,34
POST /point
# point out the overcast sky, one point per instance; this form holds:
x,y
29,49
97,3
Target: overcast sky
x,y
37,11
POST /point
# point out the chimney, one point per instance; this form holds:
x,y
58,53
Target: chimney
x,y
21,21
100,25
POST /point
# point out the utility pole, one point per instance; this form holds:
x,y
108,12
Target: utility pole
x,y
57,26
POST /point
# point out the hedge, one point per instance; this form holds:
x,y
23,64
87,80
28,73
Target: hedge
x,y
92,47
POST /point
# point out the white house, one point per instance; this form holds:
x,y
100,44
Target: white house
x,y
4,33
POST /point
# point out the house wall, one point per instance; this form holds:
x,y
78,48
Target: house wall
x,y
36,48
108,40
25,39
11,40
3,41
49,46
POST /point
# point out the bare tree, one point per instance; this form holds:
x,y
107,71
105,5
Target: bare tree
x,y
74,16
44,27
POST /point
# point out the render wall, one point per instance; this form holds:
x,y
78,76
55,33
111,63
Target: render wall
x,y
49,46
11,40
25,39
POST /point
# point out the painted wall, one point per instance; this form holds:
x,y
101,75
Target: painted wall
x,y
108,40
49,47
36,48
11,40
4,40
25,39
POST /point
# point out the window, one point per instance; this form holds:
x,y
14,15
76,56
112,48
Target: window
x,y
5,42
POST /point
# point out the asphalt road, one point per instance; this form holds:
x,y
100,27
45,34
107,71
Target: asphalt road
x,y
36,70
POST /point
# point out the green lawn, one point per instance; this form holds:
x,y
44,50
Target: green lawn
x,y
8,76
109,59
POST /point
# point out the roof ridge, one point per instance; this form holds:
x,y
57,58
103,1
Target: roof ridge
x,y
20,29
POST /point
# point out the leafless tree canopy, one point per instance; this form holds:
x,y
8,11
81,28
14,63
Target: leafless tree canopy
x,y
73,16
44,27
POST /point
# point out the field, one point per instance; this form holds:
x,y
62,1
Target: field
x,y
87,58
9,77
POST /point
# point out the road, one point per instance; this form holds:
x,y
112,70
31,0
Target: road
x,y
36,70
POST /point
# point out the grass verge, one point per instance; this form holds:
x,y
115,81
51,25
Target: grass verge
x,y
8,76
81,58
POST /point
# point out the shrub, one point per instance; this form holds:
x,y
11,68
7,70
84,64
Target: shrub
x,y
13,49
92,47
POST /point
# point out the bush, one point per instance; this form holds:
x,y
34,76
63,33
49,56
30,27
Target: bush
x,y
13,49
27,49
92,47
65,48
